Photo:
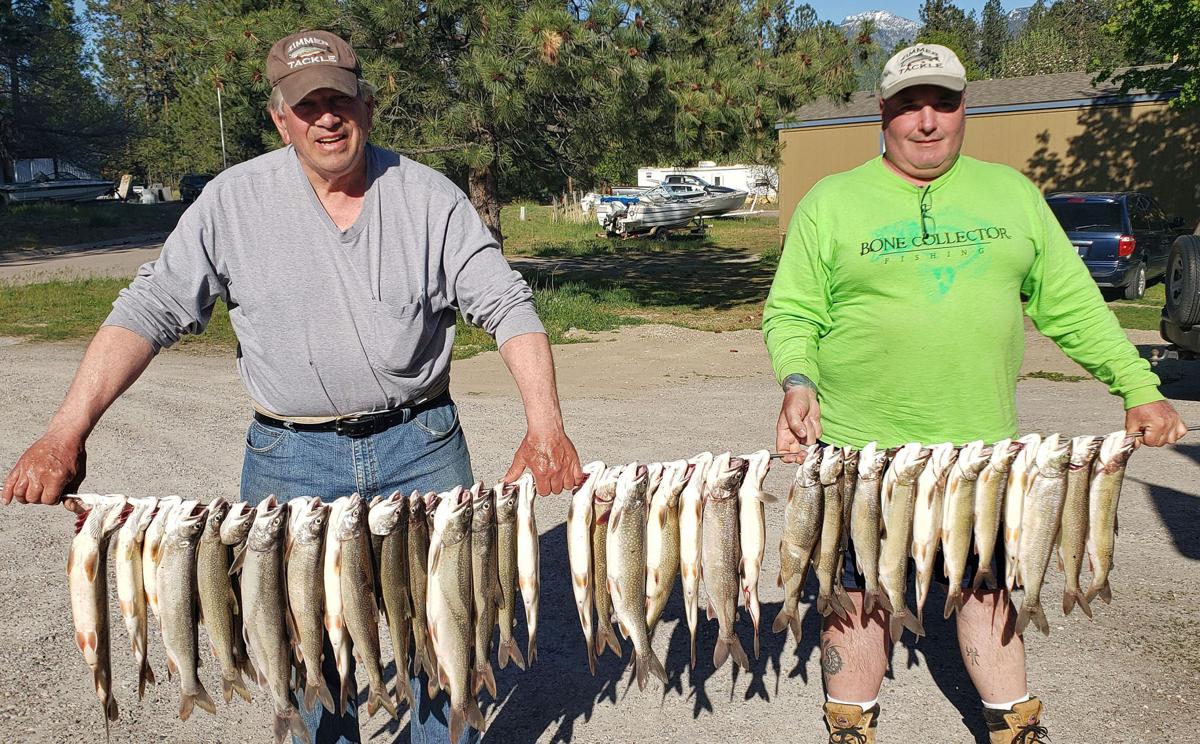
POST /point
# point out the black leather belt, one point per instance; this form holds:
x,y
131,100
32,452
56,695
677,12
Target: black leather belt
x,y
360,425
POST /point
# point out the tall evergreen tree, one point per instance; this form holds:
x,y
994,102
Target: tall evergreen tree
x,y
943,22
993,38
1068,36
1165,32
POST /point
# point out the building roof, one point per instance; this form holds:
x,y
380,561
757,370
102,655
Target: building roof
x,y
1058,90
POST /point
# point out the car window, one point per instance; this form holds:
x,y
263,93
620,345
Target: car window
x,y
1139,217
1085,216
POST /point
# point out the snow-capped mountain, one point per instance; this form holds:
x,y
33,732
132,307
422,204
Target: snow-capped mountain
x,y
1016,20
890,29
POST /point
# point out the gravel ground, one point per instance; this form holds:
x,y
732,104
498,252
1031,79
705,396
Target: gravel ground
x,y
646,393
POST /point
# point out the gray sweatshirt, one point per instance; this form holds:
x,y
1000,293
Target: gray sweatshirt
x,y
331,322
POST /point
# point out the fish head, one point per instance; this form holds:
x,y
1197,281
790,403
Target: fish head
x,y
831,465
218,510
158,523
850,458
871,462
726,477
676,479
655,472
1053,456
1084,451
757,466
266,531
105,517
506,502
1003,454
632,486
593,471
237,523
483,508
808,473
606,486
141,511
351,522
416,510
187,523
308,521
1115,450
910,462
386,513
973,458
452,516
700,466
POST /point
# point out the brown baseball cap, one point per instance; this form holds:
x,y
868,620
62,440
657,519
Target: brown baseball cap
x,y
303,62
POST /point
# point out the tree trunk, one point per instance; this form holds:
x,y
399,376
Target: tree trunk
x,y
485,193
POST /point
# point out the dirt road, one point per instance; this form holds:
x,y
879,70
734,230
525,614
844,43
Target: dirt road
x,y
651,392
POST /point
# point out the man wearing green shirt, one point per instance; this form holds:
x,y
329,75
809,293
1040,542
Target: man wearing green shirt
x,y
895,317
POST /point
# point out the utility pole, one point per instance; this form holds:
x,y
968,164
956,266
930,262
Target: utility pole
x,y
221,119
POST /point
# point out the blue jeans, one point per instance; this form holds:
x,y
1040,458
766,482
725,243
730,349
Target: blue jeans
x,y
425,453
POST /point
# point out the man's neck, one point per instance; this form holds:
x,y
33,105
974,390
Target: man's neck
x,y
920,181
342,195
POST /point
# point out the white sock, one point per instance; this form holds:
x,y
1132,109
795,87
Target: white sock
x,y
1005,706
865,706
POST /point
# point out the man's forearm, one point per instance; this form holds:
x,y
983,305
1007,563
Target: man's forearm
x,y
531,364
114,359
797,380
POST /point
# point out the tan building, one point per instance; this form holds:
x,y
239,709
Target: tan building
x,y
1063,132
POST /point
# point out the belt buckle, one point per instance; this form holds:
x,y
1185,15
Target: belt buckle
x,y
354,426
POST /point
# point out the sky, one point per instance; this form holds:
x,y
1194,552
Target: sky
x,y
836,10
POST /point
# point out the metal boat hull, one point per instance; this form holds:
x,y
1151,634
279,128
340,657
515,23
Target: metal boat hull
x,y
61,190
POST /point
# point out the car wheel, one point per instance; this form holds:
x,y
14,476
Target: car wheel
x,y
1136,289
1183,281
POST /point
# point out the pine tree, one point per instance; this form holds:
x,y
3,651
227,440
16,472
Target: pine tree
x,y
943,22
1068,36
993,38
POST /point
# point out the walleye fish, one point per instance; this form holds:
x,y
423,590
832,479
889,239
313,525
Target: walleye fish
x,y
87,582
927,518
1108,472
721,556
989,507
528,556
831,597
335,612
958,519
131,593
264,604
1020,477
579,554
358,600
691,506
801,532
506,554
752,533
662,540
626,567
219,610
177,604
866,522
1073,532
306,594
898,501
485,578
418,584
1040,520
602,503
152,553
450,598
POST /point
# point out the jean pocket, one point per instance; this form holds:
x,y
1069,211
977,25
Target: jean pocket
x,y
438,422
262,439
399,333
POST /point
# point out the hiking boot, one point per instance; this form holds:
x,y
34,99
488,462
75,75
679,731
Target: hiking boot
x,y
850,724
1020,724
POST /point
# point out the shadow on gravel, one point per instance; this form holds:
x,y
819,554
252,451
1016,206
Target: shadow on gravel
x,y
1180,377
701,277
1179,511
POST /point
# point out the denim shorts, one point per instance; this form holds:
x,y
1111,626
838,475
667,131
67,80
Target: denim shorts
x,y
426,452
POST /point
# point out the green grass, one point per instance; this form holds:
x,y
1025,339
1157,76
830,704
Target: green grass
x,y
59,311
43,225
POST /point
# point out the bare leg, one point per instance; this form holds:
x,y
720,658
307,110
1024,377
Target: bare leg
x,y
854,653
993,654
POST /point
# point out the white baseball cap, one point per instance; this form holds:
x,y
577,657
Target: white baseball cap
x,y
922,64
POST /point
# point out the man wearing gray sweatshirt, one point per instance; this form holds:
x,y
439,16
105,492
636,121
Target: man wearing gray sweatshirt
x,y
343,266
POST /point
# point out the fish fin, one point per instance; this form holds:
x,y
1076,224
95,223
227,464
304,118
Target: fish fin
x,y
110,710
720,653
881,600
621,627
239,560
767,498
510,650
475,717
606,638
843,599
458,720
531,652
1031,612
484,677
239,686
145,675
186,703
591,657
981,573
290,723
869,599
1071,597
1103,591
823,605
90,563
376,700
172,667
648,663
739,653
711,611
614,517
404,692
781,621
954,601
203,700
757,645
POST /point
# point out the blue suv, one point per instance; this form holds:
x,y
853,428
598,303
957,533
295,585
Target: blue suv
x,y
1124,238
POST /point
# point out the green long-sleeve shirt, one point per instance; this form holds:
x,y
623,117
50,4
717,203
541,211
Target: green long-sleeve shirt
x,y
903,304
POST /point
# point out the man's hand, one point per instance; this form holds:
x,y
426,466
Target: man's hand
x,y
799,422
1158,421
552,458
52,466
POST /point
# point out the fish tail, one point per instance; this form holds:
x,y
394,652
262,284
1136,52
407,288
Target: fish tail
x,y
344,695
110,711
458,721
954,601
881,600
823,605
531,652
1102,590
289,722
720,653
1032,611
982,574
904,620
649,662
1072,597
236,684
869,601
508,649
145,676
475,717
377,699
842,604
484,677
739,653
781,621
591,657
404,692
606,637
693,649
